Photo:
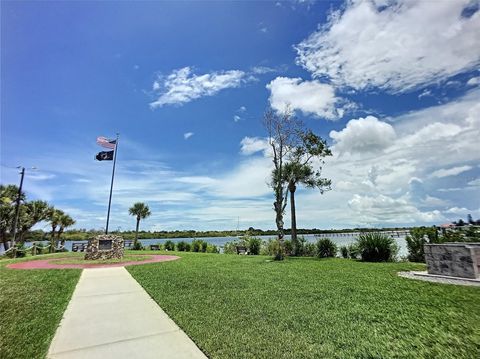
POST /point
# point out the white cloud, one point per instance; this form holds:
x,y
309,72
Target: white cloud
x,y
474,81
450,171
260,70
40,176
364,135
236,118
183,86
242,109
457,210
386,209
187,135
397,45
475,183
251,145
310,97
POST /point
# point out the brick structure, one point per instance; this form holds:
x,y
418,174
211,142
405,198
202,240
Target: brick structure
x,y
453,259
105,246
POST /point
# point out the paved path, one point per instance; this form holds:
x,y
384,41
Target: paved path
x,y
111,316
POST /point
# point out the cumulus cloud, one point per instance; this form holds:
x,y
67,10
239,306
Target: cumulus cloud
x,y
364,135
251,145
188,135
183,86
474,183
386,209
456,210
474,81
310,97
450,171
396,45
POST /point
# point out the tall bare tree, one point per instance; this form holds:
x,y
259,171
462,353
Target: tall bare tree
x,y
283,136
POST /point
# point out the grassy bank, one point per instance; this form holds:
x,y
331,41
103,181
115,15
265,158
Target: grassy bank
x,y
31,306
247,307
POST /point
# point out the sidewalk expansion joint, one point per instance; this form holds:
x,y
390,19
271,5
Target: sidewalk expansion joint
x,y
115,342
105,294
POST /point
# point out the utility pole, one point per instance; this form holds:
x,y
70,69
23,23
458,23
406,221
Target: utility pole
x,y
17,209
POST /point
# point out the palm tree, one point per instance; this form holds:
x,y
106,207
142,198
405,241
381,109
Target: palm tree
x,y
54,216
300,169
64,221
296,173
32,213
142,211
8,195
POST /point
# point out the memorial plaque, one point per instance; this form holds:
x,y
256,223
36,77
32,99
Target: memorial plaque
x,y
104,244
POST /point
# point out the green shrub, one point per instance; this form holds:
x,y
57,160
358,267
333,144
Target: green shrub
x,y
353,251
326,248
254,245
197,245
211,248
137,246
269,247
169,245
288,247
309,249
377,247
344,251
181,246
230,248
420,236
302,248
272,247
204,246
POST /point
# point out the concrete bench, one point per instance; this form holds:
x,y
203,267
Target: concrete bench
x,y
154,247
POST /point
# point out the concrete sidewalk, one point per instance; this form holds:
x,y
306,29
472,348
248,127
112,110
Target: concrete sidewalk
x,y
111,316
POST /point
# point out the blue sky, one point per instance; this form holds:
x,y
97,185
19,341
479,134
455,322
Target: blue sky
x,y
392,86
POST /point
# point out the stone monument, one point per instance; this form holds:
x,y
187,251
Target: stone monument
x,y
105,246
453,259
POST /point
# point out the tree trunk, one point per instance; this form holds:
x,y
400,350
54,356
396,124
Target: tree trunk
x,y
59,234
280,253
5,241
136,232
52,240
292,188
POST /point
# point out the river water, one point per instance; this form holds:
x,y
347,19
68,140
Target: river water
x,y
340,239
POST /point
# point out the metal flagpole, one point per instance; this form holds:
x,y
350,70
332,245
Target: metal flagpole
x,y
111,184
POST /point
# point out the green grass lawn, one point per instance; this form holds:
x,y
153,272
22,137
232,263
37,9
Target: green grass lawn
x,y
245,306
31,306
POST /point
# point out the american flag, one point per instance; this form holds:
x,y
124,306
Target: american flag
x,y
105,142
